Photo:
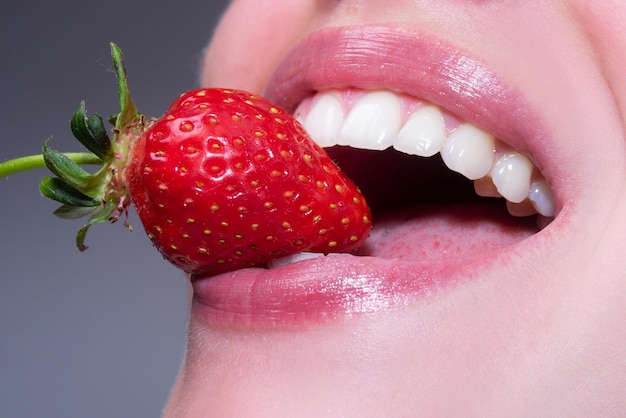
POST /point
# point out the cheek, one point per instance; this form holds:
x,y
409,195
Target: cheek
x,y
604,24
250,40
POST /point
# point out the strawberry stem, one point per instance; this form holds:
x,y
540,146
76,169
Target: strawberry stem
x,y
31,162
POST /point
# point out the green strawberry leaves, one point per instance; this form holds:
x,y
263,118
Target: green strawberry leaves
x,y
56,189
72,212
90,131
128,112
66,169
77,189
101,195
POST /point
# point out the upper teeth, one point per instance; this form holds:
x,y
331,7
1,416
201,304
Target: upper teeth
x,y
377,120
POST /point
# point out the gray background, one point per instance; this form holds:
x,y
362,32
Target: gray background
x,y
100,333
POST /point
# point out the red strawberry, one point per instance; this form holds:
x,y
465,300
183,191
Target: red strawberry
x,y
224,180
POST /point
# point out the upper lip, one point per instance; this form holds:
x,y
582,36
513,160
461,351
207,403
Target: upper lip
x,y
400,60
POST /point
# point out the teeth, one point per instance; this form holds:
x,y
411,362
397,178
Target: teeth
x,y
540,195
511,176
294,258
378,120
469,151
324,120
423,134
373,122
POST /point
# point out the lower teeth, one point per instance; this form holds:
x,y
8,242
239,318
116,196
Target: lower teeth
x,y
294,258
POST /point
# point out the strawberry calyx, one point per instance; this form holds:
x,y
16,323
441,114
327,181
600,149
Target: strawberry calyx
x,y
102,195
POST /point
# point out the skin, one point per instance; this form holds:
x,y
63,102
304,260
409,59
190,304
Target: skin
x,y
544,337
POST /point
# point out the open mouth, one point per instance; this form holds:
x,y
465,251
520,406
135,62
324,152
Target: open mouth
x,y
415,162
451,202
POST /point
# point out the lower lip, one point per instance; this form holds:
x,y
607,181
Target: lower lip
x,y
323,288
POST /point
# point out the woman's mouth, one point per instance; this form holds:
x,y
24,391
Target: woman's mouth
x,y
400,114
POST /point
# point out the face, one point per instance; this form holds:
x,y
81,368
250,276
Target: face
x,y
509,304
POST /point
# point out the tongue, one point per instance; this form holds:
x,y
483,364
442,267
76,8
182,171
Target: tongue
x,y
427,231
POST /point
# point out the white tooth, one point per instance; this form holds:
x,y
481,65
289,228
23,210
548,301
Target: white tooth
x,y
540,195
511,175
373,122
324,120
423,134
294,258
469,151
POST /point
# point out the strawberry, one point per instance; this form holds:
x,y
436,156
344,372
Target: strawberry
x,y
224,180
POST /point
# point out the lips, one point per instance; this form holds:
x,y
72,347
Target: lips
x,y
417,246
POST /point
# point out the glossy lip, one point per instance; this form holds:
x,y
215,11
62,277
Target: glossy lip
x,y
371,57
